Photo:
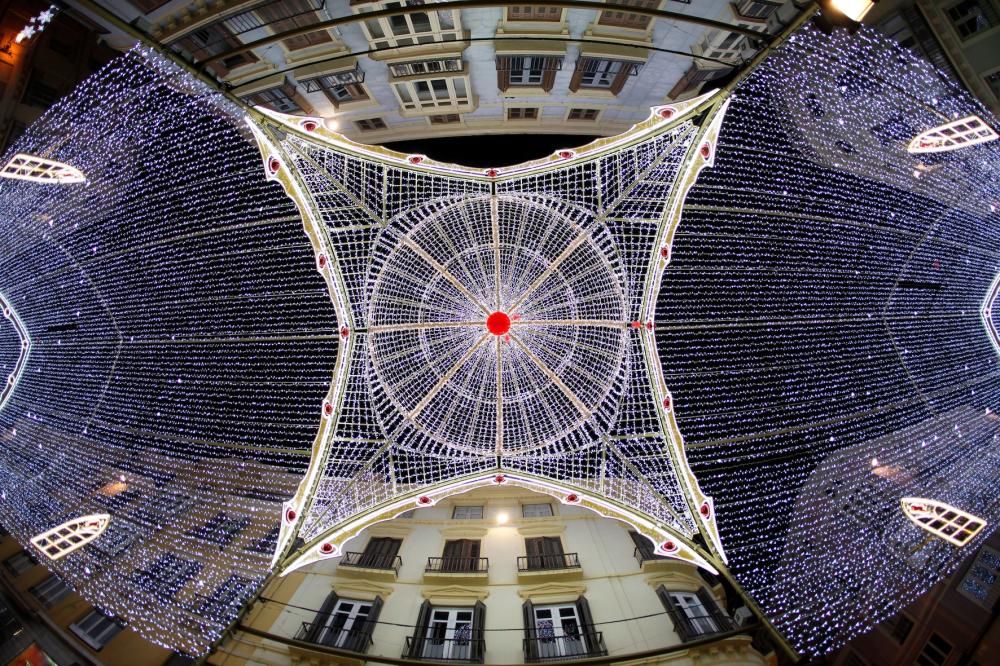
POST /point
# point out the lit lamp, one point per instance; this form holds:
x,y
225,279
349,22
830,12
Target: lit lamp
x,y
502,518
842,13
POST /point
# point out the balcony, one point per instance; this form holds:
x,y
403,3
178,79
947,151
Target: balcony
x,y
353,640
381,566
467,650
554,566
694,623
567,646
457,567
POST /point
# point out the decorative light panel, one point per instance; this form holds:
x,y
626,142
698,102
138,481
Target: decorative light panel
x,y
73,534
15,351
942,520
963,133
40,170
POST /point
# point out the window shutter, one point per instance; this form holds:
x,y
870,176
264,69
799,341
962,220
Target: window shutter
x,y
533,547
530,632
721,619
553,551
478,631
574,83
420,630
589,631
682,625
322,618
359,641
644,545
549,77
503,73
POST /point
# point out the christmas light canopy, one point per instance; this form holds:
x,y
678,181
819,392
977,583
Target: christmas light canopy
x,y
749,327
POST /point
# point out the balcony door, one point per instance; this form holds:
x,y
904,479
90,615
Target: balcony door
x,y
380,553
558,631
460,555
545,553
699,617
449,636
346,624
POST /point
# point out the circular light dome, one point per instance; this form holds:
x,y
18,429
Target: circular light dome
x,y
495,326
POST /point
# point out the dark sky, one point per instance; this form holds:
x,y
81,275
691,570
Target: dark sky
x,y
491,150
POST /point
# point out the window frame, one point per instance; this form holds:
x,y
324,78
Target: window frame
x,y
99,640
444,92
462,508
525,512
48,594
386,36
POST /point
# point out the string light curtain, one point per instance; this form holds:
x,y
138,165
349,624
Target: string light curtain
x,y
181,343
819,328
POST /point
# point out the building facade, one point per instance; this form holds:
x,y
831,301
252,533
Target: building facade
x,y
960,37
459,71
499,575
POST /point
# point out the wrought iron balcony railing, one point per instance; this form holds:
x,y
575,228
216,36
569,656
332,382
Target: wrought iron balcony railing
x,y
646,555
355,640
468,650
370,561
457,565
702,622
545,645
548,562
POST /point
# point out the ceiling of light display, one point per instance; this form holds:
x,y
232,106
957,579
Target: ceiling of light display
x,y
212,359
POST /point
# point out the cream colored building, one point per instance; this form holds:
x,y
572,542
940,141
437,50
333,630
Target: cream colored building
x,y
497,575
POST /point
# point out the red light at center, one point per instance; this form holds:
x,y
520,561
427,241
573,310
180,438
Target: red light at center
x,y
498,323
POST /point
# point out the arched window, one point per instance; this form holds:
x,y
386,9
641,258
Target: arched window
x,y
76,533
942,520
957,134
40,170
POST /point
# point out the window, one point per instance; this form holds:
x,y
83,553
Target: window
x,y
433,93
336,92
993,81
277,99
759,9
583,114
972,16
604,74
71,535
39,94
227,597
536,510
96,629
19,563
445,119
51,591
448,634
213,40
370,124
935,652
426,67
942,520
560,631
694,614
267,544
527,71
980,582
693,78
644,549
956,134
168,575
536,13
343,623
467,512
629,19
220,530
291,14
412,29
899,627
522,113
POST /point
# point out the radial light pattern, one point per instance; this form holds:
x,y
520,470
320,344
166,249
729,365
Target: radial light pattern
x,y
487,313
